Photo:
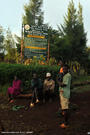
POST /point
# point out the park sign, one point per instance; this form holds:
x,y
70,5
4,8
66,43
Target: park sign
x,y
35,41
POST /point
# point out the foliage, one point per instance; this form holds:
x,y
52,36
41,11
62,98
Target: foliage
x,y
1,40
52,61
35,61
73,35
9,40
18,43
11,56
82,78
3,88
1,57
87,63
8,71
10,47
40,61
33,14
53,36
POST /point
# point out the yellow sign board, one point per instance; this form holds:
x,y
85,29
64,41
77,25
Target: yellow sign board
x,y
36,36
35,47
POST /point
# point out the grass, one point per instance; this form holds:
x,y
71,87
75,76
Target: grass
x,y
82,78
3,89
81,89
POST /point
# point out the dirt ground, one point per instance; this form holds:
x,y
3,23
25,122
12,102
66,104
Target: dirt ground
x,y
43,118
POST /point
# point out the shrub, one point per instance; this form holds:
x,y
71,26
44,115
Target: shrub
x,y
24,72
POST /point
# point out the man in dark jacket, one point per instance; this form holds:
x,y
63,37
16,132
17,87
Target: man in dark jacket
x,y
36,86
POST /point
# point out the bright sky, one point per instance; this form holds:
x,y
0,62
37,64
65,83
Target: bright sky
x,y
11,12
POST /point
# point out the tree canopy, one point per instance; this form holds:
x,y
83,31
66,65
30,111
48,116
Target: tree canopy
x,y
33,13
72,34
1,40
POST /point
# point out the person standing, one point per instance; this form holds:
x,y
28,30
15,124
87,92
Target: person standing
x,y
36,86
64,88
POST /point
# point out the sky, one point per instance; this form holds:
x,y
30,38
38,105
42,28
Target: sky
x,y
11,12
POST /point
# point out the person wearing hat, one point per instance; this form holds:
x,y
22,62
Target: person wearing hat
x,y
48,88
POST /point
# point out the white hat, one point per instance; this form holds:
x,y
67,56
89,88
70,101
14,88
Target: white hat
x,y
48,74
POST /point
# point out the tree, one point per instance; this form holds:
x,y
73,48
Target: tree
x,y
1,44
33,14
1,40
9,40
53,35
10,47
73,34
18,44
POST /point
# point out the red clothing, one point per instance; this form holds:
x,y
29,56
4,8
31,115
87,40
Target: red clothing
x,y
15,89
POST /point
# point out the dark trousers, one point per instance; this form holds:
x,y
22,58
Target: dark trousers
x,y
48,95
66,116
40,94
34,95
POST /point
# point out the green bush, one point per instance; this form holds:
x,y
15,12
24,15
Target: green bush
x,y
3,88
8,71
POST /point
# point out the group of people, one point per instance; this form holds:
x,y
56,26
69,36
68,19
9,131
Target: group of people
x,y
45,91
41,91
